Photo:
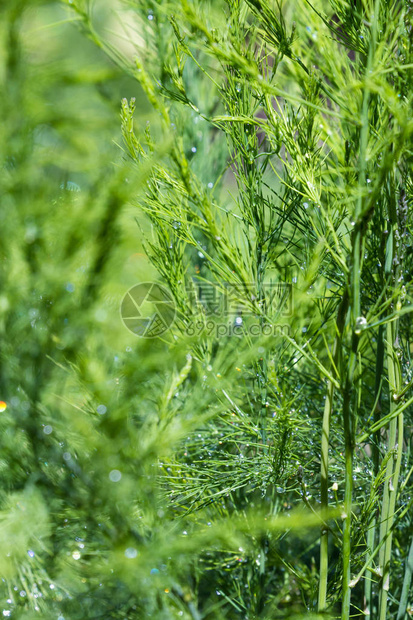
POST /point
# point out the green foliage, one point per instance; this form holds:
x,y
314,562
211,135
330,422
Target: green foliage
x,y
254,461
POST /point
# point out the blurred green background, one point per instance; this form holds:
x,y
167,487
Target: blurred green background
x,y
61,152
69,250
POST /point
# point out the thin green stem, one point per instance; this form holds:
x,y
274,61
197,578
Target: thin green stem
x,y
395,427
406,584
349,415
348,493
392,472
371,533
391,486
325,440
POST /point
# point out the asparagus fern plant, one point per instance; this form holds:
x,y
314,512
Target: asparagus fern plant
x,y
254,460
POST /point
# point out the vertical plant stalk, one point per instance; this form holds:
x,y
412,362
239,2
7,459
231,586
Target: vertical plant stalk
x,y
392,269
392,470
371,533
406,584
325,441
349,414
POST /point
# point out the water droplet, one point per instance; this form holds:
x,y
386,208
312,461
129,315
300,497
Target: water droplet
x,y
115,475
131,552
361,323
101,409
154,571
76,555
70,287
238,320
31,553
210,185
193,149
48,429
